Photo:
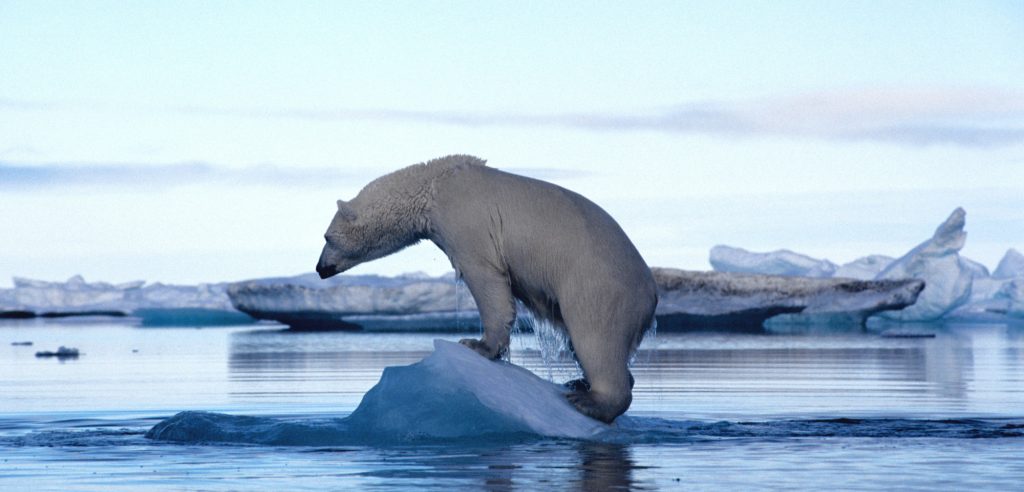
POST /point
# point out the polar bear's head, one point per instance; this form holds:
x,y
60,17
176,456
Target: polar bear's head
x,y
364,229
346,245
390,213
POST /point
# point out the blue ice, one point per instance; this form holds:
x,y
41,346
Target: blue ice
x,y
452,393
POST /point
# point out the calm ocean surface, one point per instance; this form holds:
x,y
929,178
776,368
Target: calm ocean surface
x,y
844,411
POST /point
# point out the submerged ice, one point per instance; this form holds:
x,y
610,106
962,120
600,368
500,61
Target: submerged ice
x,y
453,393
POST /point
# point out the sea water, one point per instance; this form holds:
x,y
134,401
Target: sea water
x,y
850,410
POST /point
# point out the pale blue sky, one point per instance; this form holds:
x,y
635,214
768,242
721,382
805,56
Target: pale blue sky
x,y
205,141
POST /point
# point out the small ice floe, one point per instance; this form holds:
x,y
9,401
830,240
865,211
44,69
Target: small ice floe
x,y
22,344
61,353
454,393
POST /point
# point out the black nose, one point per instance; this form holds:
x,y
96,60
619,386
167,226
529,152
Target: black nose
x,y
326,271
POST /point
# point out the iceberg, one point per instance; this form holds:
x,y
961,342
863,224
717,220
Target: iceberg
x,y
454,393
866,268
412,301
688,300
937,261
156,301
1011,266
991,301
1014,293
781,262
977,269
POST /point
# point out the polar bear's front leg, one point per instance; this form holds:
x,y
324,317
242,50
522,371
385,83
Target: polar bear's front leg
x,y
493,295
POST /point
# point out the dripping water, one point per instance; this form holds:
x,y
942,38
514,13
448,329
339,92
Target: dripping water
x,y
458,305
553,347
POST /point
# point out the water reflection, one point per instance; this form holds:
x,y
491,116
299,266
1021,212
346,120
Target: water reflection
x,y
532,465
605,466
696,375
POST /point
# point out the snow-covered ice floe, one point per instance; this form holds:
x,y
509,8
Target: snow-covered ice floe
x,y
689,299
452,393
406,302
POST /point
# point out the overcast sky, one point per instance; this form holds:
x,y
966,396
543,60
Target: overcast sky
x,y
208,141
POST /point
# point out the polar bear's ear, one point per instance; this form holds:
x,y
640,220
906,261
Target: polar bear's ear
x,y
346,210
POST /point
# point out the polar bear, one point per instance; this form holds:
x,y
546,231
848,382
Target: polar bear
x,y
514,238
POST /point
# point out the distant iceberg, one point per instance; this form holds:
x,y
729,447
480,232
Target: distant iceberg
x,y
452,394
866,268
936,261
154,303
1011,266
956,287
782,262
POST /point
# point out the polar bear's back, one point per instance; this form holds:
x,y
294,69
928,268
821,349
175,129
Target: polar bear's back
x,y
553,241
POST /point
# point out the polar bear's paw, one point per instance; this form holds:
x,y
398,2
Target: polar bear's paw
x,y
584,402
577,385
481,347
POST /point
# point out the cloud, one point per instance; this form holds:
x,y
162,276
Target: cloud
x,y
25,177
969,117
964,117
124,175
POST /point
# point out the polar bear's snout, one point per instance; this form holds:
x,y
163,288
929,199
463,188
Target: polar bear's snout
x,y
326,271
325,267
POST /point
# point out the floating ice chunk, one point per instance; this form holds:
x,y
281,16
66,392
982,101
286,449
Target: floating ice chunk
x,y
305,302
457,393
452,394
937,262
1012,265
744,301
866,268
781,262
61,353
